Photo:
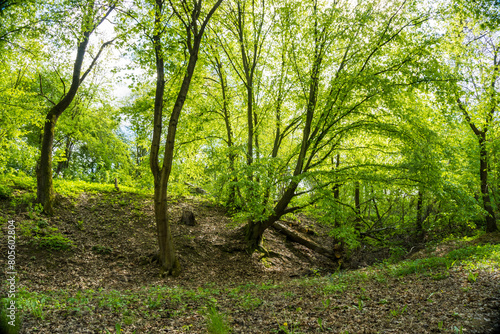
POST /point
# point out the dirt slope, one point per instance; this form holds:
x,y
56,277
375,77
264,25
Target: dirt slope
x,y
114,240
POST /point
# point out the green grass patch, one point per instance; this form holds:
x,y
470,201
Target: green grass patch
x,y
471,256
73,188
10,320
217,322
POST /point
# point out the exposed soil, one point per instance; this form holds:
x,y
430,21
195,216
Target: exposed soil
x,y
115,239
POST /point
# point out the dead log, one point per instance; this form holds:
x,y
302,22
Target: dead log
x,y
302,229
295,236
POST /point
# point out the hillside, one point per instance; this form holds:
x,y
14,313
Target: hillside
x,y
90,269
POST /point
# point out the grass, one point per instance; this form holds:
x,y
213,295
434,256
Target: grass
x,y
67,188
217,322
8,325
472,256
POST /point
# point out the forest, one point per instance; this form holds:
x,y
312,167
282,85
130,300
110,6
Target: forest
x,y
249,166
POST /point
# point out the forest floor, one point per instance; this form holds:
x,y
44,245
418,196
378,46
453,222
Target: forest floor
x,y
89,269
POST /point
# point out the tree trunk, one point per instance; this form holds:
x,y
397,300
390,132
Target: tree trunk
x,y
336,190
419,218
62,165
45,190
233,188
254,232
491,223
167,256
357,207
169,262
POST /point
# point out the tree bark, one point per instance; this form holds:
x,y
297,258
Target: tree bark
x,y
233,188
419,217
167,256
491,224
62,165
357,204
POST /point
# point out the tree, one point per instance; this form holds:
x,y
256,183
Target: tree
x,y
342,85
194,25
92,15
474,53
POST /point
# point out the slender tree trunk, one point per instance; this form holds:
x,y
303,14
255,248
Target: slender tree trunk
x,y
233,188
420,215
357,207
491,224
62,165
168,259
336,189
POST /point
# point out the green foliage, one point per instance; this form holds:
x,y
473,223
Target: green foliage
x,y
55,242
5,191
399,311
40,233
5,327
330,117
75,188
250,303
397,254
114,300
217,322
472,277
472,255
288,328
102,249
